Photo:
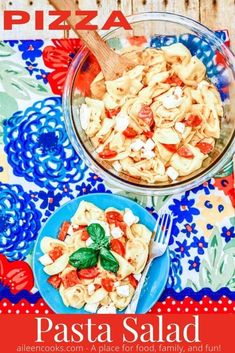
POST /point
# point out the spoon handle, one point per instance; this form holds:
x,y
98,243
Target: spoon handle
x,y
90,38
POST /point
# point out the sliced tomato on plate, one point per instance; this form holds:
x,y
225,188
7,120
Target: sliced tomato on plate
x,y
85,235
107,154
117,246
55,281
146,115
70,279
130,132
56,252
133,281
107,284
174,79
205,147
112,112
113,216
81,226
193,120
64,231
170,147
185,152
88,273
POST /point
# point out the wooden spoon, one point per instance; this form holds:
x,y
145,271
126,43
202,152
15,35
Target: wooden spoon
x,y
112,65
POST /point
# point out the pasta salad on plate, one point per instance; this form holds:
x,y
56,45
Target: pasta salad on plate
x,y
97,259
157,122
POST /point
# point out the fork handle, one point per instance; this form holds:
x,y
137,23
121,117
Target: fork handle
x,y
131,309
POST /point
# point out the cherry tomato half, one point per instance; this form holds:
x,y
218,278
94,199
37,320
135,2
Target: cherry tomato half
x,y
174,79
193,120
107,154
88,273
185,152
56,252
204,147
64,231
85,235
112,112
148,134
108,284
113,216
55,281
170,147
133,281
146,114
130,133
70,279
117,246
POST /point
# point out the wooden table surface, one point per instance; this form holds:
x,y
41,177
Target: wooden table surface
x,y
216,14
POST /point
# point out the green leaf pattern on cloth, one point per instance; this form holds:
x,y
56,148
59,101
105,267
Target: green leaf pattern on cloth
x,y
217,269
15,84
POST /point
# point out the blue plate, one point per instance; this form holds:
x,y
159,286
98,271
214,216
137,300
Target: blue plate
x,y
158,273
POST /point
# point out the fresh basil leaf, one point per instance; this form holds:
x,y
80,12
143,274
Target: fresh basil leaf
x,y
84,258
105,243
97,232
94,246
108,261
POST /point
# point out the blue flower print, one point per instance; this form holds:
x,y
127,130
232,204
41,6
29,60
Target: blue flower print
x,y
183,209
12,43
51,200
19,222
183,248
176,270
207,186
100,188
189,229
228,233
194,264
31,67
83,189
152,211
38,147
200,244
42,76
67,191
93,179
31,49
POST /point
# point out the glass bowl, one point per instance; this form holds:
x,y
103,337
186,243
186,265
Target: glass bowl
x,y
156,29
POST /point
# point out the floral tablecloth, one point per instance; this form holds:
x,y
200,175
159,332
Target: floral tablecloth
x,y
40,171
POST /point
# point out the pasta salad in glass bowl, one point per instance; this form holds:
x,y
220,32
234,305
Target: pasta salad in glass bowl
x,y
168,123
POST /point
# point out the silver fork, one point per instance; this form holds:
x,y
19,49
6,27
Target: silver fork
x,y
158,246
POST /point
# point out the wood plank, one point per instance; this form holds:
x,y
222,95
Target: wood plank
x,y
213,13
183,7
219,14
27,31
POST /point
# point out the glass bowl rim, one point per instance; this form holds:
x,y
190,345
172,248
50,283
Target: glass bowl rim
x,y
189,183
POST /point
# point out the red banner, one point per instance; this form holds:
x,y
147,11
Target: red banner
x,y
117,333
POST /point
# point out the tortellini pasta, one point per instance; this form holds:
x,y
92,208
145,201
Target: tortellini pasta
x,y
97,288
166,102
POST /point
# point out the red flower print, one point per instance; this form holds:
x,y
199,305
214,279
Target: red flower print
x,y
16,275
220,59
227,185
59,58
